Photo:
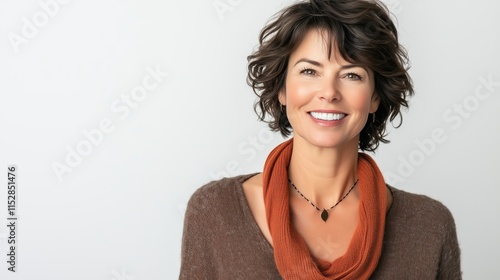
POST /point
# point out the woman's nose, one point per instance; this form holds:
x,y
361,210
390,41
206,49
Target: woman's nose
x,y
330,91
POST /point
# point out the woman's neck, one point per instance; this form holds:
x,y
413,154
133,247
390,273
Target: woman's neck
x,y
323,175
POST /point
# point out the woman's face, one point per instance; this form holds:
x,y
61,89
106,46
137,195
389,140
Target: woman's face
x,y
327,100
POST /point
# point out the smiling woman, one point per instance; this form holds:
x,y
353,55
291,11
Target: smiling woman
x,y
334,74
316,83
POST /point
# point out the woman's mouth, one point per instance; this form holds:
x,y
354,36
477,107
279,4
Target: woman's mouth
x,y
324,116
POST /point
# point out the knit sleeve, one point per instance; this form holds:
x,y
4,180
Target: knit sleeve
x,y
449,265
196,252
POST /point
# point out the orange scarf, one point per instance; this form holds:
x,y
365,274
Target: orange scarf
x,y
291,254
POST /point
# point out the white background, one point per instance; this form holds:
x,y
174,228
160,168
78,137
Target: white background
x,y
118,214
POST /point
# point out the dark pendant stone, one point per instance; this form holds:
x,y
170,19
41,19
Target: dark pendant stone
x,y
324,215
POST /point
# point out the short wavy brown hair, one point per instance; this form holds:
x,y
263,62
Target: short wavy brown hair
x,y
362,31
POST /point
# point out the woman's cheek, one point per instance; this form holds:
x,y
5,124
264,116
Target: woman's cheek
x,y
361,101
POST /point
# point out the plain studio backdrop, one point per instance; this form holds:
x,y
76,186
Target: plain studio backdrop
x,y
115,112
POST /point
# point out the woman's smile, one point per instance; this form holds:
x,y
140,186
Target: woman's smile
x,y
327,118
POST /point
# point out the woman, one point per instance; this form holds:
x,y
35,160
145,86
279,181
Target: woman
x,y
334,73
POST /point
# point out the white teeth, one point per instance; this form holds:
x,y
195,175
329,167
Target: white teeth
x,y
327,116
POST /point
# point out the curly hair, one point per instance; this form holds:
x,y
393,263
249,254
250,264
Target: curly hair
x,y
364,34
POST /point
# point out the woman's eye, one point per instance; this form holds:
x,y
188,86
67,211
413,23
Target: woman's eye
x,y
308,71
353,76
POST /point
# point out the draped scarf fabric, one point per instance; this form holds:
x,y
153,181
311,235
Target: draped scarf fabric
x,y
291,254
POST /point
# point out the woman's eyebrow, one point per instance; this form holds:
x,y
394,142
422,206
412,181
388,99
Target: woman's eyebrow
x,y
313,62
348,66
319,64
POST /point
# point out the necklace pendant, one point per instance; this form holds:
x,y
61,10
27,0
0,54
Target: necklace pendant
x,y
324,215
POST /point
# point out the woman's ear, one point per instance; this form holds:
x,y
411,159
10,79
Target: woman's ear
x,y
282,97
375,102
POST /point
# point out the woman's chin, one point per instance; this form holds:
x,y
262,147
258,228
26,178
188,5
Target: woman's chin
x,y
328,142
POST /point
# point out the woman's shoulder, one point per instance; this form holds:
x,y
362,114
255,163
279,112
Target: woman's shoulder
x,y
219,187
420,236
420,209
217,194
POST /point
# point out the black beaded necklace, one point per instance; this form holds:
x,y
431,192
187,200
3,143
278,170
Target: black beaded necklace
x,y
324,213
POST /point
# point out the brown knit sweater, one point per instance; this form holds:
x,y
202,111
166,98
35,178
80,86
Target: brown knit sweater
x,y
221,239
